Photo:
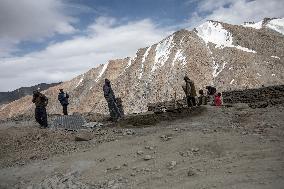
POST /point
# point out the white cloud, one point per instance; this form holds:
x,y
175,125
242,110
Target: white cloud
x,y
31,20
106,39
235,11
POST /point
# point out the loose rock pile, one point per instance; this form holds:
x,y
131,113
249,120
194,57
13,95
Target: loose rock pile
x,y
167,106
256,98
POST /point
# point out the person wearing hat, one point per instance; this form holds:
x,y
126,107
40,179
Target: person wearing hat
x,y
40,101
190,92
63,99
115,114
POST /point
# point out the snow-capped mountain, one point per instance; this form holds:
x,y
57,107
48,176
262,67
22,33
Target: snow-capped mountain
x,y
215,53
274,24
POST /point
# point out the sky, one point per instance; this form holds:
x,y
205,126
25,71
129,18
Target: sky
x,y
45,41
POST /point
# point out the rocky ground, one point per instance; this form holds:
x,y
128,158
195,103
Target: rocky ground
x,y
209,147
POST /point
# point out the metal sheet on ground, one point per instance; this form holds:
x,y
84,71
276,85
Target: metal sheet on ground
x,y
69,122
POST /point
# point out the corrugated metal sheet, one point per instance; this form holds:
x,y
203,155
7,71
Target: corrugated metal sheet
x,y
69,122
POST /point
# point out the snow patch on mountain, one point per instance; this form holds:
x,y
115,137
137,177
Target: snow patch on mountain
x,y
215,65
133,59
181,41
129,63
102,72
245,49
277,25
81,80
127,66
257,25
146,54
180,57
143,60
163,50
215,33
141,71
217,69
275,57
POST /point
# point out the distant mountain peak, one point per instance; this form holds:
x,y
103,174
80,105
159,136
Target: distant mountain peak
x,y
276,24
214,32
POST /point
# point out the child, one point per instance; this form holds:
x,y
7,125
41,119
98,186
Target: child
x,y
218,100
202,100
211,92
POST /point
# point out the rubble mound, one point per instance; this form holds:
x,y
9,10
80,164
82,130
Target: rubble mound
x,y
256,98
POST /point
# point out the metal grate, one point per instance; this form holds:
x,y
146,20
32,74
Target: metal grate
x,y
69,122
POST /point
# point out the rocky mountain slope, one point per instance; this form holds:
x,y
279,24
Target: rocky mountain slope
x,y
7,97
215,53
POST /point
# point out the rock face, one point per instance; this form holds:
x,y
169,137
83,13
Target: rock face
x,y
226,56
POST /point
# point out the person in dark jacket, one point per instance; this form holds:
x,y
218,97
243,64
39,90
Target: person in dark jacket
x,y
63,99
111,101
211,91
40,101
190,92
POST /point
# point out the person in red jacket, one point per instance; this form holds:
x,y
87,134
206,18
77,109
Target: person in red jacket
x,y
218,100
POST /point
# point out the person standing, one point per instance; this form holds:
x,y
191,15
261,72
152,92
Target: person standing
x,y
63,99
186,89
190,91
40,101
111,101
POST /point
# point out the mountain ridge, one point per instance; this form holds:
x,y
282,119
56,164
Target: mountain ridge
x,y
215,53
7,97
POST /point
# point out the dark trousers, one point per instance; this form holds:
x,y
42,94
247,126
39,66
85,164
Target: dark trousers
x,y
65,109
113,109
41,116
191,101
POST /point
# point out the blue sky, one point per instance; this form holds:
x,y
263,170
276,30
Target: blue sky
x,y
55,40
161,12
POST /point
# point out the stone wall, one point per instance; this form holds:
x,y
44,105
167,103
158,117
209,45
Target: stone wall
x,y
271,93
167,105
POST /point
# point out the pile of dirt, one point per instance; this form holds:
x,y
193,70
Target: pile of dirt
x,y
270,95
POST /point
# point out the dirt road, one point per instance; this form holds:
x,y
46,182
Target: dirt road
x,y
228,147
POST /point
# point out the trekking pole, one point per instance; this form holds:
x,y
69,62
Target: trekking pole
x,y
175,98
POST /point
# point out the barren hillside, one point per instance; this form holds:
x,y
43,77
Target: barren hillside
x,y
226,56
